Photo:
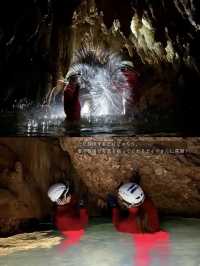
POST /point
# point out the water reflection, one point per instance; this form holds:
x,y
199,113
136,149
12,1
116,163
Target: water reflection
x,y
29,120
71,238
103,245
147,244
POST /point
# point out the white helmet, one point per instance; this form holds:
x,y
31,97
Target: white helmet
x,y
127,64
131,194
56,190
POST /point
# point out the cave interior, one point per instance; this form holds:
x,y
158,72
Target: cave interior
x,y
39,38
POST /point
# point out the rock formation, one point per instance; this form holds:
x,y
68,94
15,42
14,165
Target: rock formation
x,y
27,241
167,168
27,168
38,40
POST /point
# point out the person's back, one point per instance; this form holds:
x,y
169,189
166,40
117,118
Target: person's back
x,y
149,216
142,213
71,101
128,224
70,216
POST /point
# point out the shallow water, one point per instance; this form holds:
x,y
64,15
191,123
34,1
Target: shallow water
x,y
46,121
102,245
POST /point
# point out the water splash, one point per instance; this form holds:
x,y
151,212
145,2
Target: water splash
x,y
107,100
41,118
104,89
31,119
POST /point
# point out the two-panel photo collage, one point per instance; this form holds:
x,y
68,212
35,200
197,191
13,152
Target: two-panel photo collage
x,y
99,133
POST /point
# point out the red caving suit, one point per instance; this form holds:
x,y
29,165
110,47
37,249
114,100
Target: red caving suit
x,y
140,220
72,105
133,84
71,223
143,225
68,217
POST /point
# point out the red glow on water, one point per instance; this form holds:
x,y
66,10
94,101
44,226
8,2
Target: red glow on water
x,y
71,224
144,244
71,238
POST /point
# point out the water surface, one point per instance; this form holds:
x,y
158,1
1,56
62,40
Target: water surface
x,y
51,121
102,245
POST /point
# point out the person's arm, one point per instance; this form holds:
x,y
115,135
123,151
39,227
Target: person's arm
x,y
84,216
112,203
116,219
69,91
72,106
133,83
132,78
83,212
151,219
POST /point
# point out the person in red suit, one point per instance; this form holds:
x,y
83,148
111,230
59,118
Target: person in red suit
x,y
132,81
72,105
70,217
128,87
142,223
143,215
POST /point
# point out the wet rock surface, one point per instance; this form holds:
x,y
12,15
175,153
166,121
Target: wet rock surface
x,y
28,241
27,168
170,176
168,169
38,40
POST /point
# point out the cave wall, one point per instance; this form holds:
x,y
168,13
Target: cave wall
x,y
38,39
27,168
33,48
171,180
25,28
161,39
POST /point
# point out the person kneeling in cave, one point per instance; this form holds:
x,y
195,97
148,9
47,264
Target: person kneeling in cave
x,y
142,224
71,216
143,215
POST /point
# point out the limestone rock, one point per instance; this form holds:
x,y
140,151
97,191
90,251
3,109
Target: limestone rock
x,y
168,168
27,241
162,39
28,168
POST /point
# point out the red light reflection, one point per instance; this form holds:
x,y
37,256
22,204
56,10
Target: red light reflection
x,y
71,238
145,244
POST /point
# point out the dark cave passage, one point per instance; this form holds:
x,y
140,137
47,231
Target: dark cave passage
x,y
38,41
